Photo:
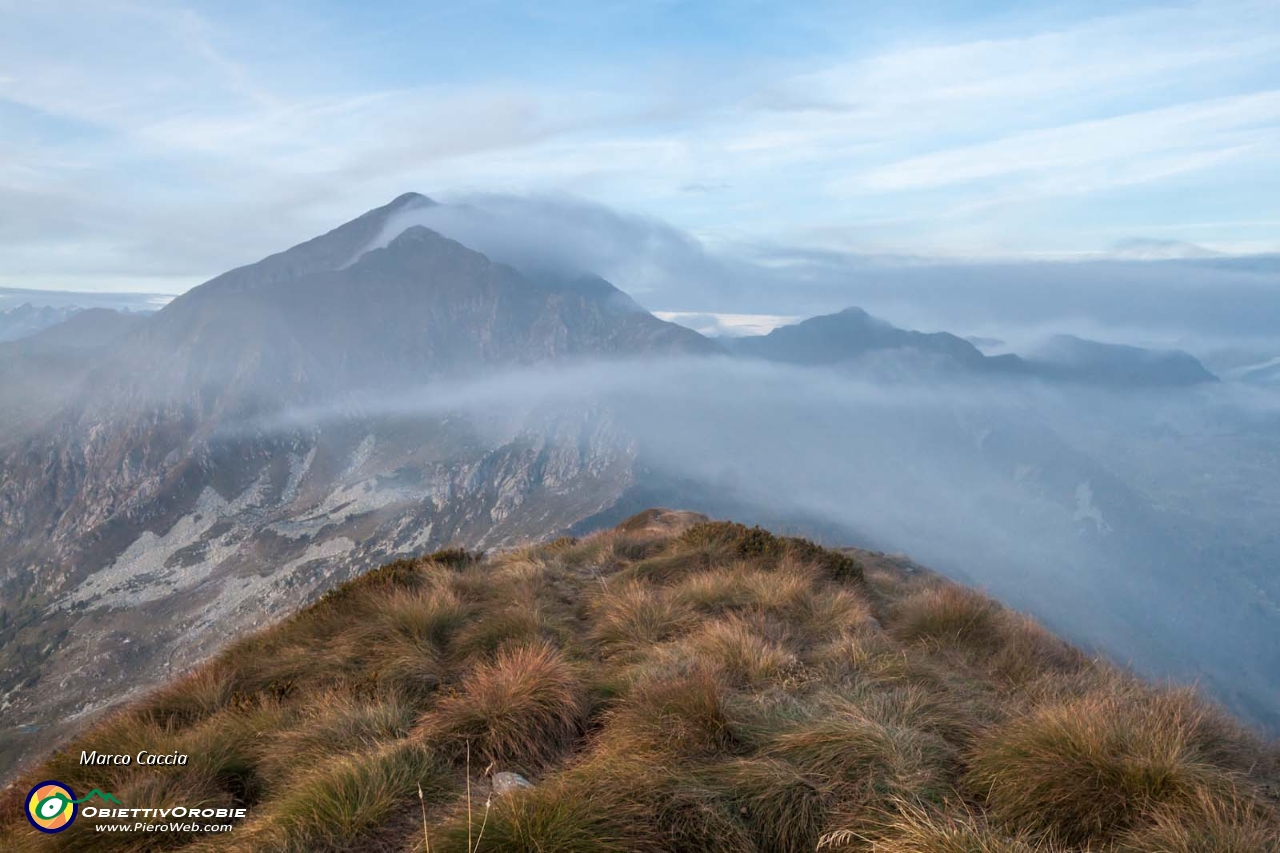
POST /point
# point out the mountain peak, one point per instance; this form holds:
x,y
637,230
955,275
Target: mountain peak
x,y
849,335
418,234
330,251
854,316
410,199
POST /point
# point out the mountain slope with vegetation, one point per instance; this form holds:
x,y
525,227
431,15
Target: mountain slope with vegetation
x,y
672,684
167,480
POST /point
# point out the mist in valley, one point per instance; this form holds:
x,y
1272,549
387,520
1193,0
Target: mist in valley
x,y
1136,524
485,371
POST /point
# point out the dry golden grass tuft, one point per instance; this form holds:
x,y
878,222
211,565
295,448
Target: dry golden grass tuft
x,y
674,685
865,758
190,698
686,715
736,649
510,625
954,622
525,709
630,616
864,653
744,586
911,827
160,790
1089,769
952,617
570,814
430,617
334,723
782,808
342,804
1029,652
1208,825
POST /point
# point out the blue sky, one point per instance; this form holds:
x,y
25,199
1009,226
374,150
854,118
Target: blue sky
x,y
149,145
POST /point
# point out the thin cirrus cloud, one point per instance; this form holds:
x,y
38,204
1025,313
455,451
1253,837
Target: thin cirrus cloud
x,y
139,138
1150,144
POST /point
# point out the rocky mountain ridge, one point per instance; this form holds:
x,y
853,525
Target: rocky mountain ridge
x,y
26,319
145,515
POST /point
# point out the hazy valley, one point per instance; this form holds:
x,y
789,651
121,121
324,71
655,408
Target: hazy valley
x,y
173,479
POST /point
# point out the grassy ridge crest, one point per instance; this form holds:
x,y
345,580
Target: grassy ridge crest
x,y
672,685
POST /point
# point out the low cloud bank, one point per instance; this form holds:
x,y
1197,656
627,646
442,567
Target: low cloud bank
x,y
1199,303
1077,505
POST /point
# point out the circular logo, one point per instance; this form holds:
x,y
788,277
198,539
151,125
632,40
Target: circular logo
x,y
51,807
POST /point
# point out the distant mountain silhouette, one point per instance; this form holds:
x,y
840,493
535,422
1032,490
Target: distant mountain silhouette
x,y
45,370
1081,360
853,336
26,319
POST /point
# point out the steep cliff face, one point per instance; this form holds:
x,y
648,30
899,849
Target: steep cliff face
x,y
148,513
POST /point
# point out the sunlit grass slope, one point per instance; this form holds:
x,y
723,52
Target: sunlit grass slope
x,y
674,685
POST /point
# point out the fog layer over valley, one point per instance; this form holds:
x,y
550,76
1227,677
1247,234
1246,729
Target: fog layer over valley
x,y
393,388
1138,523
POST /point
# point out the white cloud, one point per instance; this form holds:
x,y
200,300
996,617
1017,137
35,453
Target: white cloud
x,y
144,136
728,325
1185,137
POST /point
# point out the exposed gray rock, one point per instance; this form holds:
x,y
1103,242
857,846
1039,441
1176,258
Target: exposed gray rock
x,y
506,782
